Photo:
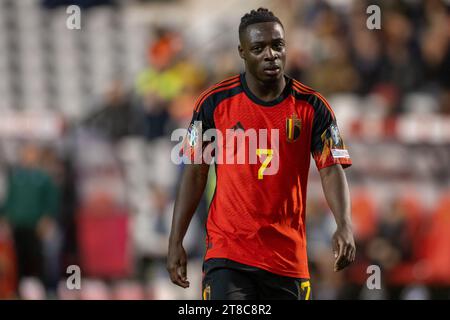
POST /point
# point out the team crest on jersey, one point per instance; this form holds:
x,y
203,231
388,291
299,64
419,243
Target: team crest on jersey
x,y
293,128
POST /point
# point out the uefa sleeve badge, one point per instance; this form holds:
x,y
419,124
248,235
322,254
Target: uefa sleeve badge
x,y
193,134
334,142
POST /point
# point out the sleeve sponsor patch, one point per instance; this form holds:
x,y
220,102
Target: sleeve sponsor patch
x,y
339,153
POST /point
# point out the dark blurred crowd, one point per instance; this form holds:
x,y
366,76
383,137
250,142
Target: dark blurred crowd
x,y
406,240
102,196
409,53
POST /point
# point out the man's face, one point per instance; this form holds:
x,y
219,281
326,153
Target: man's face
x,y
264,51
30,155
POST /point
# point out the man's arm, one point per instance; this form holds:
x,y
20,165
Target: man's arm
x,y
335,188
192,185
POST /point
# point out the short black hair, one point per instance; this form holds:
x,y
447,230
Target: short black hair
x,y
257,16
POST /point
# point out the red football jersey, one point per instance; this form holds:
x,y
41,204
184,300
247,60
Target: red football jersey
x,y
257,215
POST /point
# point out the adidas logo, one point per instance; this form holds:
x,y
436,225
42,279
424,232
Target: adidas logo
x,y
238,126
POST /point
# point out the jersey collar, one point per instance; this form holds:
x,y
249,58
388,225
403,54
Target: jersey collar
x,y
284,94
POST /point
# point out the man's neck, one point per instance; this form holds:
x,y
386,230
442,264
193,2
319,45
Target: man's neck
x,y
266,91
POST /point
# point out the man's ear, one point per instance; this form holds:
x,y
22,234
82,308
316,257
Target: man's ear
x,y
241,52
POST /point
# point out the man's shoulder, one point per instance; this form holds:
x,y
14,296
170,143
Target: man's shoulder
x,y
301,90
226,84
219,91
227,81
310,95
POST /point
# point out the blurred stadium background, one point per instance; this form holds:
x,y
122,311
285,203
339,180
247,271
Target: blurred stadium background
x,y
86,117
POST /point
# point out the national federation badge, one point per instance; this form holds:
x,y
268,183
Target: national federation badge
x,y
293,128
207,293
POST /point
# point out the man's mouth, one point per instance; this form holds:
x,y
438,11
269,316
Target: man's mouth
x,y
271,70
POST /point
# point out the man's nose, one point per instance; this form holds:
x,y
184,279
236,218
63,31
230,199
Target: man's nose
x,y
270,54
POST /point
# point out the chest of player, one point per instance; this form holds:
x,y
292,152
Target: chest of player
x,y
290,121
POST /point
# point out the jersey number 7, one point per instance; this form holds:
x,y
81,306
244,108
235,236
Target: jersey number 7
x,y
269,153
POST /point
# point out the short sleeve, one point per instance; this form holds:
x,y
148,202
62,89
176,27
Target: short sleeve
x,y
197,137
327,145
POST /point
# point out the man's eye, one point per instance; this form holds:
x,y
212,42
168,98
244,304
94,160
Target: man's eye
x,y
256,48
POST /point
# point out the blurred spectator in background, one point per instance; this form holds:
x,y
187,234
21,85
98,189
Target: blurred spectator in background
x,y
331,69
158,83
117,116
52,244
392,244
169,84
434,42
156,116
366,56
29,209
